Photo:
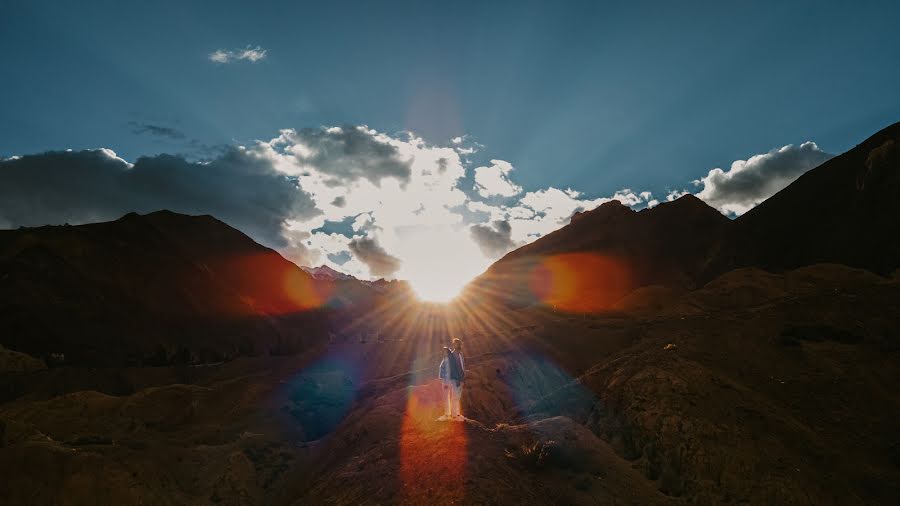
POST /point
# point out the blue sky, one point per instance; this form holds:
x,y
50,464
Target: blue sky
x,y
589,95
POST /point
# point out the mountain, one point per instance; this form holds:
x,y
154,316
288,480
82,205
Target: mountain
x,y
381,285
157,288
714,382
844,211
325,273
605,253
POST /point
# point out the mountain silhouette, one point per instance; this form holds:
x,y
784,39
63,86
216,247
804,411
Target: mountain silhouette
x,y
672,244
844,211
160,287
668,355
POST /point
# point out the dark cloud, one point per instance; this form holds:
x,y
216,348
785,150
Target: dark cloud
x,y
237,187
369,252
749,182
493,241
339,201
157,130
348,154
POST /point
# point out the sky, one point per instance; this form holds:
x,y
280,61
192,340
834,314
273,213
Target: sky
x,y
380,137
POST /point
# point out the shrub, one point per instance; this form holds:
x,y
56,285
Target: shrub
x,y
536,455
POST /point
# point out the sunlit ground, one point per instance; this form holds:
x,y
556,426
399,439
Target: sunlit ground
x,y
433,455
436,457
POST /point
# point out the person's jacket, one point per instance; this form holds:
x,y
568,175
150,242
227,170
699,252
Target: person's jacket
x,y
444,372
447,371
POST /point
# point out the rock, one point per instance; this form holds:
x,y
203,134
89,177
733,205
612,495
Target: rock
x,y
13,361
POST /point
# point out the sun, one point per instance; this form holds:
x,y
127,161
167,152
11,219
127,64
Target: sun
x,y
439,262
437,288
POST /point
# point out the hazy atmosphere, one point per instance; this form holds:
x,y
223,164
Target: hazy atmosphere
x,y
491,252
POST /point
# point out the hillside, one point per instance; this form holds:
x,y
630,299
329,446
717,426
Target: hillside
x,y
156,288
782,394
611,250
844,211
673,358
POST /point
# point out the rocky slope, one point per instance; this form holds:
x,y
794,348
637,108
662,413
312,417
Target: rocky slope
x,y
782,394
156,288
614,249
844,211
629,358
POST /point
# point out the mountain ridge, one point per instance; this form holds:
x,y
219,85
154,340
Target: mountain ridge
x,y
843,211
150,287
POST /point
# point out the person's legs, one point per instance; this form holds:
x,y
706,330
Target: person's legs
x,y
448,404
456,390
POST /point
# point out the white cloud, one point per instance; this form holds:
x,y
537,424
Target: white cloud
x,y
494,180
749,182
674,194
350,197
398,188
540,212
401,198
251,54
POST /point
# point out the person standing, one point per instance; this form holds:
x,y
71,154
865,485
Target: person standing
x,y
452,373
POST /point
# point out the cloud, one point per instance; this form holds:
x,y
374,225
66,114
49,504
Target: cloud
x,y
749,182
237,187
494,241
392,186
358,200
298,249
543,211
251,54
345,153
380,263
156,130
674,194
494,180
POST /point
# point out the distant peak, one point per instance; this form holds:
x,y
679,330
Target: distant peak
x,y
690,199
173,214
607,208
323,272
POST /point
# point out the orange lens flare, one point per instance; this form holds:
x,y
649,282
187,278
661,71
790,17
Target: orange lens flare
x,y
432,454
579,282
304,292
271,284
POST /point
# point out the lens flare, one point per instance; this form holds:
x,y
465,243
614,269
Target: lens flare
x,y
304,292
579,282
270,284
432,454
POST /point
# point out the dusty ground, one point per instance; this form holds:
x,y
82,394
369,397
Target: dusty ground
x,y
757,389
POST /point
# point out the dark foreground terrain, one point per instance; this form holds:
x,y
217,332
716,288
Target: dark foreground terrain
x,y
669,355
755,389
